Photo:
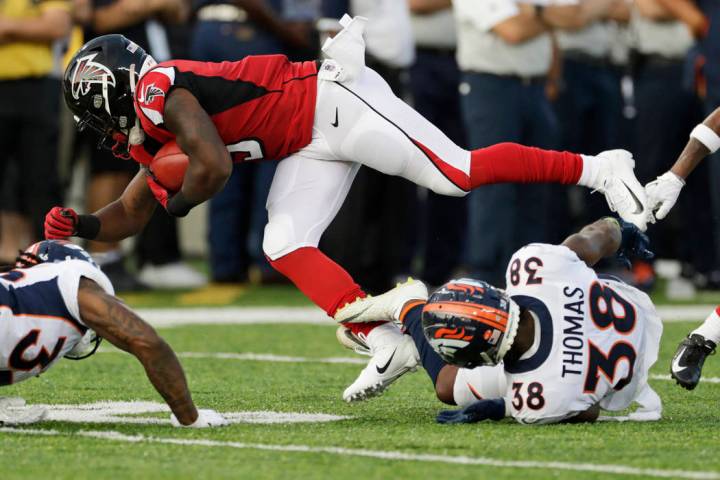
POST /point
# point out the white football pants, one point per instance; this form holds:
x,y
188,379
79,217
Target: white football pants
x,y
356,123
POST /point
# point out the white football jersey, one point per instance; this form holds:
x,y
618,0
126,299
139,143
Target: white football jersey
x,y
595,338
40,317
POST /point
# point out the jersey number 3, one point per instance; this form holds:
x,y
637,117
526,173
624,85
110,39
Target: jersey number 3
x,y
43,358
603,301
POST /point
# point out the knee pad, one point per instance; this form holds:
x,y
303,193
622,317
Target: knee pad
x,y
279,238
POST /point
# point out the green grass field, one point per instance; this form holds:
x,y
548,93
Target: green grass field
x,y
400,423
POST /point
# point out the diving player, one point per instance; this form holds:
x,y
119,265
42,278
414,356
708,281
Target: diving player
x,y
53,303
323,121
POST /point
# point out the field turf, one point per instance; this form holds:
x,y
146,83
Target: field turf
x,y
393,436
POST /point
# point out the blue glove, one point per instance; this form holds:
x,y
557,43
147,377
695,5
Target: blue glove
x,y
482,410
634,244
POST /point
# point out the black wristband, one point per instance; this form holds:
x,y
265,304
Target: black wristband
x,y
88,226
178,205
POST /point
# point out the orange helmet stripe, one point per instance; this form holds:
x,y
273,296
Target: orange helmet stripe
x,y
470,311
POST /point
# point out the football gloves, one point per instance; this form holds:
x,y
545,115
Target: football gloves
x,y
662,193
206,418
482,410
159,192
60,223
634,244
14,411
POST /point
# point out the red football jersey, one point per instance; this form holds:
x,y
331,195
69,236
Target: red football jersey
x,y
263,106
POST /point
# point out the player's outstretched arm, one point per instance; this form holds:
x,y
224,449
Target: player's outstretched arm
x,y
609,236
596,241
210,163
123,218
663,192
114,321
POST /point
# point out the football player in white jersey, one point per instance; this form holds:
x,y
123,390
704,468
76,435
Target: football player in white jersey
x,y
52,301
559,344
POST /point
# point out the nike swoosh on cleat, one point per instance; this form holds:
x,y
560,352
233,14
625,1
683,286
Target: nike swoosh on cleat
x,y
638,204
336,122
352,318
676,366
381,370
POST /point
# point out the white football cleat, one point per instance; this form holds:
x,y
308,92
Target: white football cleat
x,y
355,342
624,194
393,355
385,307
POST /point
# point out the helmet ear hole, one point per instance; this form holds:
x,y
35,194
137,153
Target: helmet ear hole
x,y
470,323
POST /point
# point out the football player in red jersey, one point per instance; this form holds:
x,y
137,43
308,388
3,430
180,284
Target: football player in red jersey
x,y
323,120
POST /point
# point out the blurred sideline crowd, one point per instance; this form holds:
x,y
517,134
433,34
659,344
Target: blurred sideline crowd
x,y
579,75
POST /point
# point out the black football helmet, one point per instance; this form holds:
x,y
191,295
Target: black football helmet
x,y
99,85
470,323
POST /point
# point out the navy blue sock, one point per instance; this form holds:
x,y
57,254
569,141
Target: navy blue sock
x,y
431,361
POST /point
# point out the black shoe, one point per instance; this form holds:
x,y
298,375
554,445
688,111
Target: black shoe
x,y
689,358
122,280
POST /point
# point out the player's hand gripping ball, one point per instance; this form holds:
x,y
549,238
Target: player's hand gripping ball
x,y
169,166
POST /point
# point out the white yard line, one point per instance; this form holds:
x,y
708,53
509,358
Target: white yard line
x,y
383,455
174,317
270,357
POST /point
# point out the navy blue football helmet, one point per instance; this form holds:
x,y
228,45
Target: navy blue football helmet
x,y
470,323
51,251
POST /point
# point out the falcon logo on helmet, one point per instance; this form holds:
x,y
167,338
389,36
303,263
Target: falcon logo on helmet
x,y
470,323
86,73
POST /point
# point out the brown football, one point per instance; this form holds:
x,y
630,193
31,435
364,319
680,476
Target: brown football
x,y
169,165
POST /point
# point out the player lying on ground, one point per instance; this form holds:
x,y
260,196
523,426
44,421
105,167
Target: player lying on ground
x,y
323,121
54,300
559,344
662,195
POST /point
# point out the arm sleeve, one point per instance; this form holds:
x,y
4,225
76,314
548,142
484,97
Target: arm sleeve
x,y
69,283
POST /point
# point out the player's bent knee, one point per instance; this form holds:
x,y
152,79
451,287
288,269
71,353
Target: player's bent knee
x,y
279,237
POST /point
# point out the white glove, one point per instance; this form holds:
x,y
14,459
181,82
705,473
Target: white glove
x,y
206,418
662,193
14,411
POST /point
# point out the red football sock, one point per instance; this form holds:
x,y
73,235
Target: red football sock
x,y
514,163
323,281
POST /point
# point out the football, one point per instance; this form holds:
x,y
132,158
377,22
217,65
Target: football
x,y
169,165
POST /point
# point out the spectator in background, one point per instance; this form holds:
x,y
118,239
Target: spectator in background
x,y
505,52
666,104
434,78
157,247
29,114
379,208
590,101
231,30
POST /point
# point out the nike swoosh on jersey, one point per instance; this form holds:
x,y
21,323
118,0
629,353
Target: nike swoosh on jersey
x,y
336,123
382,369
638,204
